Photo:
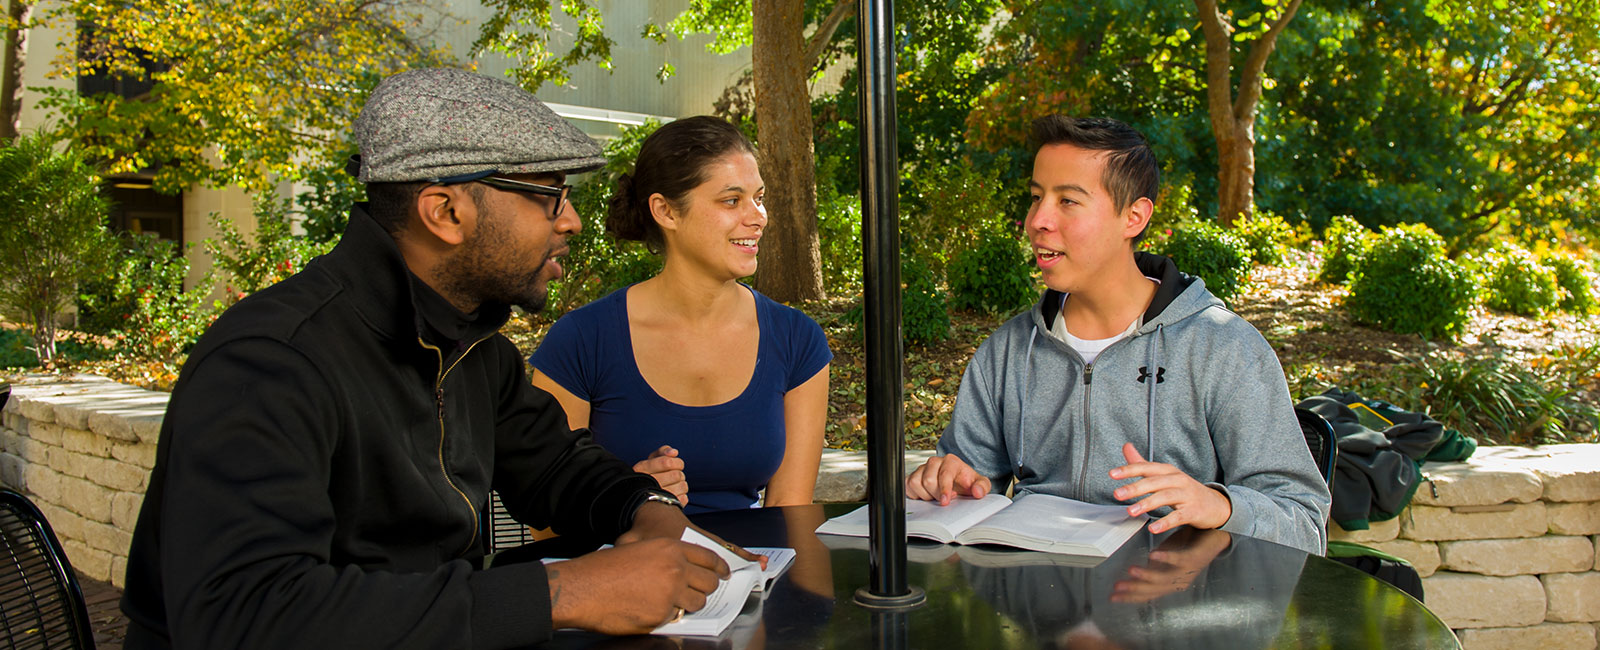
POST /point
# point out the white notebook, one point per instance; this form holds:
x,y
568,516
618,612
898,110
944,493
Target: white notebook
x,y
1037,522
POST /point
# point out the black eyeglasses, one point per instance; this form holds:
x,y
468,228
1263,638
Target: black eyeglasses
x,y
558,191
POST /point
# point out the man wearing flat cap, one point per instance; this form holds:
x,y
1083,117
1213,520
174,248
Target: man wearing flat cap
x,y
327,456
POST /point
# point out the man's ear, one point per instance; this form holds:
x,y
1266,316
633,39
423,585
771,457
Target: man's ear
x,y
662,211
1138,216
446,212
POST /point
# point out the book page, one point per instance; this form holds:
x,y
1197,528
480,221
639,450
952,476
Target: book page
x,y
778,561
924,518
1050,523
722,605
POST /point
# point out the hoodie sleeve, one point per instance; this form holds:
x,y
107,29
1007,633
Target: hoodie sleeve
x,y
977,430
1267,471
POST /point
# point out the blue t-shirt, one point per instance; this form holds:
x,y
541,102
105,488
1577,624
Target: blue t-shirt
x,y
730,450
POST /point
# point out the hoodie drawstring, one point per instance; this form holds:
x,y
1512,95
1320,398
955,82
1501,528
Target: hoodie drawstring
x,y
1022,414
1154,376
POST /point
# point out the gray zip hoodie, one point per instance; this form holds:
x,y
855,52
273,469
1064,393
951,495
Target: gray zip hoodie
x,y
1196,387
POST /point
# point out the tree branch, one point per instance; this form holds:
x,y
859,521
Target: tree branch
x,y
1255,65
819,39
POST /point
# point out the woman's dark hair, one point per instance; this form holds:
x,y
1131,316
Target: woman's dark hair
x,y
671,162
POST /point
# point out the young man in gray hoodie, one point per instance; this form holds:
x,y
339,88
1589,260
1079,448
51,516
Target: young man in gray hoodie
x,y
1128,382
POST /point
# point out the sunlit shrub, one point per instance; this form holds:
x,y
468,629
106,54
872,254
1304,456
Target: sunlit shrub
x,y
1405,283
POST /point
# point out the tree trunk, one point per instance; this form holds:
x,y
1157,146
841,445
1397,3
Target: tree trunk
x,y
11,76
1233,117
791,259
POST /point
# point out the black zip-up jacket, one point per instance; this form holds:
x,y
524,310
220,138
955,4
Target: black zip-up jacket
x,y
325,463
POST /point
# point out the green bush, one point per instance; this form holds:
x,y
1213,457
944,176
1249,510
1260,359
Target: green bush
x,y
598,263
925,318
1344,241
1515,281
1504,401
16,350
148,312
1405,283
994,275
1575,278
1204,249
839,234
1267,236
272,254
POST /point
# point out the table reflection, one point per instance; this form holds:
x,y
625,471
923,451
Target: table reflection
x,y
1183,589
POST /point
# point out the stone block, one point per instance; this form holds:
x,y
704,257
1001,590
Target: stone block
x,y
1570,473
146,427
1597,553
118,475
72,414
119,571
46,432
1379,531
1466,600
1511,557
1572,597
1423,556
37,411
17,423
85,442
10,441
125,509
1430,523
33,451
65,523
44,484
1566,636
107,538
112,425
1477,482
1574,518
67,462
91,563
134,453
87,499
12,472
842,476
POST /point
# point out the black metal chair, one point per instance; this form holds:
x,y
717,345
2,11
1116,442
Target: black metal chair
x,y
505,532
1319,438
41,605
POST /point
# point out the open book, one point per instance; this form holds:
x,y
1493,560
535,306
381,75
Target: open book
x,y
728,601
1037,522
724,604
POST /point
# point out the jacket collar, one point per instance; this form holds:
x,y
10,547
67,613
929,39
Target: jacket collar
x,y
1173,282
390,298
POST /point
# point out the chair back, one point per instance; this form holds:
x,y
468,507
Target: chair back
x,y
41,605
1320,439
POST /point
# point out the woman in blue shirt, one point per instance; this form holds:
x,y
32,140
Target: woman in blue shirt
x,y
712,388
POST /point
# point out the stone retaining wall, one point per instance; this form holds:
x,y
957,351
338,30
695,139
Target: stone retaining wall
x,y
1508,543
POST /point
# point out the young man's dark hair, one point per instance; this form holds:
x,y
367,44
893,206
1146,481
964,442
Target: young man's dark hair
x,y
1131,171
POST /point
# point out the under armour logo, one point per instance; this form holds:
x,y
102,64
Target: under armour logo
x,y
1144,372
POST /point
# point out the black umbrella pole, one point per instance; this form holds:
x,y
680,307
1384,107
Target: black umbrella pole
x,y
880,209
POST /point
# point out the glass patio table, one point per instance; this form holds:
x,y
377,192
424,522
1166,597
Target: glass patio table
x,y
1183,589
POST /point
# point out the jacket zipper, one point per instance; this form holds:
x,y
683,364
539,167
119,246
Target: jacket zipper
x,y
438,397
1088,431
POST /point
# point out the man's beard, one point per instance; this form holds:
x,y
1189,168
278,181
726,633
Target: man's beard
x,y
478,271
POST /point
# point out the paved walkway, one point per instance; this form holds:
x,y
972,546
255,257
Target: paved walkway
x,y
105,616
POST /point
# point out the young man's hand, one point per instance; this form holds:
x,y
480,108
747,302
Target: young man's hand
x,y
666,468
1193,503
633,588
943,477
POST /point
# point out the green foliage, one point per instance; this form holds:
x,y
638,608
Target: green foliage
x,y
1405,283
1503,400
839,234
1267,236
52,232
164,320
926,317
1344,241
272,254
949,205
1515,281
599,263
1204,249
16,350
239,93
521,30
325,205
994,275
1576,279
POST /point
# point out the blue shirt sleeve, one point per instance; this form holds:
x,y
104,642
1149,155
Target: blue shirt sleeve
x,y
807,345
567,354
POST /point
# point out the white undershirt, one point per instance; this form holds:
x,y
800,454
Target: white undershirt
x,y
1090,349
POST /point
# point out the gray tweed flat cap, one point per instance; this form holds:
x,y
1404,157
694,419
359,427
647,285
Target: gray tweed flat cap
x,y
450,123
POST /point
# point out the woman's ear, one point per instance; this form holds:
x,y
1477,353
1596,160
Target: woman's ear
x,y
662,210
447,212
